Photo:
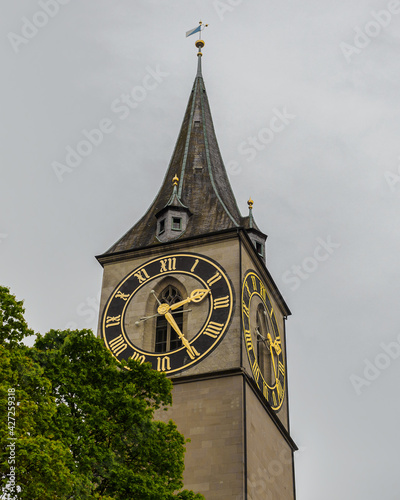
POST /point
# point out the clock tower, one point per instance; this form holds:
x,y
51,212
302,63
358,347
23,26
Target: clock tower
x,y
188,290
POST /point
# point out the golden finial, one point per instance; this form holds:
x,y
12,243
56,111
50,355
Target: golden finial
x,y
250,203
199,43
175,180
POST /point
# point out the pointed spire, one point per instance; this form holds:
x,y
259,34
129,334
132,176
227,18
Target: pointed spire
x,y
203,187
199,74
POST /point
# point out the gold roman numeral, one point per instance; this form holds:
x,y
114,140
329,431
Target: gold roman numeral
x,y
256,371
246,310
221,302
168,265
253,279
263,292
194,265
247,338
118,345
247,288
279,390
192,352
213,329
137,357
142,276
123,296
163,364
281,368
113,321
217,276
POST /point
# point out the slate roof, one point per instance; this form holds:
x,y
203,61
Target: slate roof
x,y
203,182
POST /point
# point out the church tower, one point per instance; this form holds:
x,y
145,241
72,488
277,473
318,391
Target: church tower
x,y
187,289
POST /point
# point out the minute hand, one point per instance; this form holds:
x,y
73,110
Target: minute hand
x,y
191,350
196,296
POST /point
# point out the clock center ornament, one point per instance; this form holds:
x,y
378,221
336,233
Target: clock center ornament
x,y
213,292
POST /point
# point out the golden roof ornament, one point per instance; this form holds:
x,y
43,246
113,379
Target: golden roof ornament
x,y
199,43
250,203
175,200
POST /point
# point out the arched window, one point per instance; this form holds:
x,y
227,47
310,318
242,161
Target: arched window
x,y
166,337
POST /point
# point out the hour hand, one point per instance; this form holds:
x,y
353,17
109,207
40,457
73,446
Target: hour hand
x,y
196,296
276,344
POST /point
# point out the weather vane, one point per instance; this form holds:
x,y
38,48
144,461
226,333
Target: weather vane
x,y
199,43
198,29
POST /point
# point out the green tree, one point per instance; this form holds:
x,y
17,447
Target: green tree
x,y
13,327
26,411
85,427
43,464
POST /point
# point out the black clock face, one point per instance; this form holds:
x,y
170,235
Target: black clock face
x,y
263,341
130,330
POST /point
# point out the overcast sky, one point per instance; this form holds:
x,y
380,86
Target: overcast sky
x,y
305,101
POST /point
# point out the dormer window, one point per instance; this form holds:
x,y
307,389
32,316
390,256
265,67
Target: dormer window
x,y
161,226
173,218
260,248
176,223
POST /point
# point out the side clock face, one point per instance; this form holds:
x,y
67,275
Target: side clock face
x,y
263,341
171,312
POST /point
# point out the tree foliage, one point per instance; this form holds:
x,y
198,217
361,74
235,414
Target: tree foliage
x,y
13,327
84,426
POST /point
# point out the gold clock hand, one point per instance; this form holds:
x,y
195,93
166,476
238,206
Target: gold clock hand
x,y
271,345
173,323
196,296
273,363
276,345
191,350
145,318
